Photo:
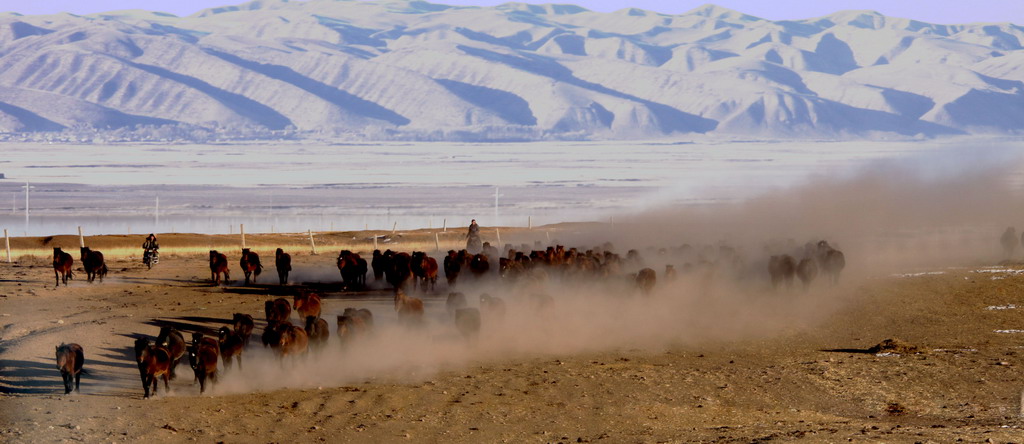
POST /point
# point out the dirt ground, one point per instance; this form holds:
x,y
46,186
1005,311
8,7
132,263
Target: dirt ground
x,y
814,380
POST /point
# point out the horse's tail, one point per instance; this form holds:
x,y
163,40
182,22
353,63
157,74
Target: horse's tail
x,y
258,270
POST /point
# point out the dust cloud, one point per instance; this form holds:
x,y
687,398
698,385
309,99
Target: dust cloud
x,y
934,210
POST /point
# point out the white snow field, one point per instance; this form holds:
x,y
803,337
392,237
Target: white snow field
x,y
415,70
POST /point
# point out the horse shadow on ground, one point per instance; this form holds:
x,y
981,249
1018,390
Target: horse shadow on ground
x,y
30,377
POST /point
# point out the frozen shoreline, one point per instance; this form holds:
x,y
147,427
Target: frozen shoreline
x,y
300,186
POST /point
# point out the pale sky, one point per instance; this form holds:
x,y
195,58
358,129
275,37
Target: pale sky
x,y
933,11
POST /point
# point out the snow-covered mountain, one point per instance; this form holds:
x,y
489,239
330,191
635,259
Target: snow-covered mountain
x,y
408,68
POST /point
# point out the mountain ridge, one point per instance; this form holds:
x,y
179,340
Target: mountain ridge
x,y
416,70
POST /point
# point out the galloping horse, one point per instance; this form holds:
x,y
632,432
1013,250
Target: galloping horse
x,y
92,262
218,265
70,358
62,263
250,263
283,261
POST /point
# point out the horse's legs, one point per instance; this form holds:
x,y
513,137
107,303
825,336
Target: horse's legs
x,y
78,380
56,277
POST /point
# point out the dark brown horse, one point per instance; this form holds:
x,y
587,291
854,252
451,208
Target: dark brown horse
x,y
283,261
70,358
399,272
250,263
352,268
782,268
92,262
278,310
231,346
317,331
243,326
379,264
424,268
479,266
218,265
202,357
62,263
452,267
172,339
154,362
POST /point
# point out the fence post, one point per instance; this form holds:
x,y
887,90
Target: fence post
x,y
394,227
7,245
374,241
444,226
437,242
529,222
241,229
548,234
312,244
81,239
497,232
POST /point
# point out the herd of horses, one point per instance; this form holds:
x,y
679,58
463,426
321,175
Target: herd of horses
x,y
417,272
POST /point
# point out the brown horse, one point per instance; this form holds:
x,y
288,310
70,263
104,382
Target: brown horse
x,y
243,326
293,340
379,264
479,266
283,261
202,357
278,310
352,269
172,340
410,310
832,262
467,320
250,263
353,324
231,346
645,280
92,262
62,263
307,304
399,272
807,270
317,331
452,267
154,362
424,268
782,269
70,358
218,265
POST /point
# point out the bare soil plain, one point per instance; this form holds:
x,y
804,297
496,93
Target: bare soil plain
x,y
697,361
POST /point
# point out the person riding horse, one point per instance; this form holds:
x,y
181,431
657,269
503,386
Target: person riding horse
x,y
473,243
150,254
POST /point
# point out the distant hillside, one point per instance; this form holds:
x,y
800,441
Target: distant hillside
x,y
417,70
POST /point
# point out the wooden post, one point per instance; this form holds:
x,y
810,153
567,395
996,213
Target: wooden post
x,y
241,229
1021,402
497,233
437,242
529,222
548,234
394,227
312,244
444,226
81,239
7,244
374,241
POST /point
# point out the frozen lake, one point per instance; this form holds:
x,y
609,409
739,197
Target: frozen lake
x,y
291,187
